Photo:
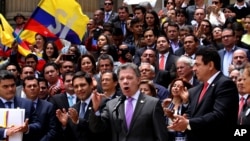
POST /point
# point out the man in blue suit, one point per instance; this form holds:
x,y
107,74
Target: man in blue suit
x,y
44,109
9,100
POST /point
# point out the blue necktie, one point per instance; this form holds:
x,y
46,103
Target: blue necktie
x,y
8,104
70,100
82,109
123,28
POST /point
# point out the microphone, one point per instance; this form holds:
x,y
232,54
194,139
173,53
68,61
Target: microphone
x,y
120,101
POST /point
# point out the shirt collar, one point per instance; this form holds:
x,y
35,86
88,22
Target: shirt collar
x,y
240,6
136,95
211,79
4,100
87,101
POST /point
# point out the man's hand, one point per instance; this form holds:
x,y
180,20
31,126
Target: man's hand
x,y
180,123
62,116
96,100
73,114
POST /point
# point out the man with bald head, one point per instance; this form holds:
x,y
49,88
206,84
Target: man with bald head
x,y
239,60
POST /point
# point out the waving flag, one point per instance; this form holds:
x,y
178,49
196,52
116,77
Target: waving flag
x,y
6,31
56,19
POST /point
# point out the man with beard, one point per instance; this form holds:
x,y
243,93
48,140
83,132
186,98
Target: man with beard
x,y
239,60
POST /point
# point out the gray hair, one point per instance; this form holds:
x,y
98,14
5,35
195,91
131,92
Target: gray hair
x,y
152,68
131,66
186,60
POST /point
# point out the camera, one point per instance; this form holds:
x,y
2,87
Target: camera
x,y
67,57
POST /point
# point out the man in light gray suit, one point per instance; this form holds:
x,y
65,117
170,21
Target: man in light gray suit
x,y
133,116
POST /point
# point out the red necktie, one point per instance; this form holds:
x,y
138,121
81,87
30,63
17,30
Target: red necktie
x,y
204,89
241,104
162,59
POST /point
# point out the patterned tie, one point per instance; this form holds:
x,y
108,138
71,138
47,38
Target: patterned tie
x,y
162,59
106,17
204,89
129,111
82,110
241,104
8,104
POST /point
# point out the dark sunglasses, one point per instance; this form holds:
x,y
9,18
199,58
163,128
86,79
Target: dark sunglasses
x,y
107,3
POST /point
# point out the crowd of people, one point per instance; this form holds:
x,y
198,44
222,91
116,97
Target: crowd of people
x,y
178,74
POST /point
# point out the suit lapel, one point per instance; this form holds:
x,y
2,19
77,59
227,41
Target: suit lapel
x,y
86,116
209,90
17,102
122,115
138,108
1,104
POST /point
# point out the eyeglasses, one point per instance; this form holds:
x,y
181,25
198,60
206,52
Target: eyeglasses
x,y
107,3
215,2
226,36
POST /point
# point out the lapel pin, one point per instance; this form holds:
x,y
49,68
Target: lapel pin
x,y
212,85
90,108
142,101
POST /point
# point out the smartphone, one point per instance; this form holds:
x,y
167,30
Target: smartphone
x,y
69,57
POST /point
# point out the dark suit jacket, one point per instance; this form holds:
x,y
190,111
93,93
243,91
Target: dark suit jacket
x,y
60,101
148,122
81,131
165,77
216,115
46,114
245,114
34,123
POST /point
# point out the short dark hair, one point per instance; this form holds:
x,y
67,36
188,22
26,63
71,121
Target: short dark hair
x,y
124,7
114,75
30,77
4,74
81,74
210,54
41,79
66,74
51,64
31,55
139,7
26,66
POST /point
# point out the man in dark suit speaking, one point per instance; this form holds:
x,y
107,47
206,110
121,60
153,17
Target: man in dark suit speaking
x,y
132,117
9,100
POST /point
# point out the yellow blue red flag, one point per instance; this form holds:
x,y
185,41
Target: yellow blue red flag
x,y
56,19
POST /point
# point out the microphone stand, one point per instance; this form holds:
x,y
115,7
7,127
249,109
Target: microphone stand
x,y
117,125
